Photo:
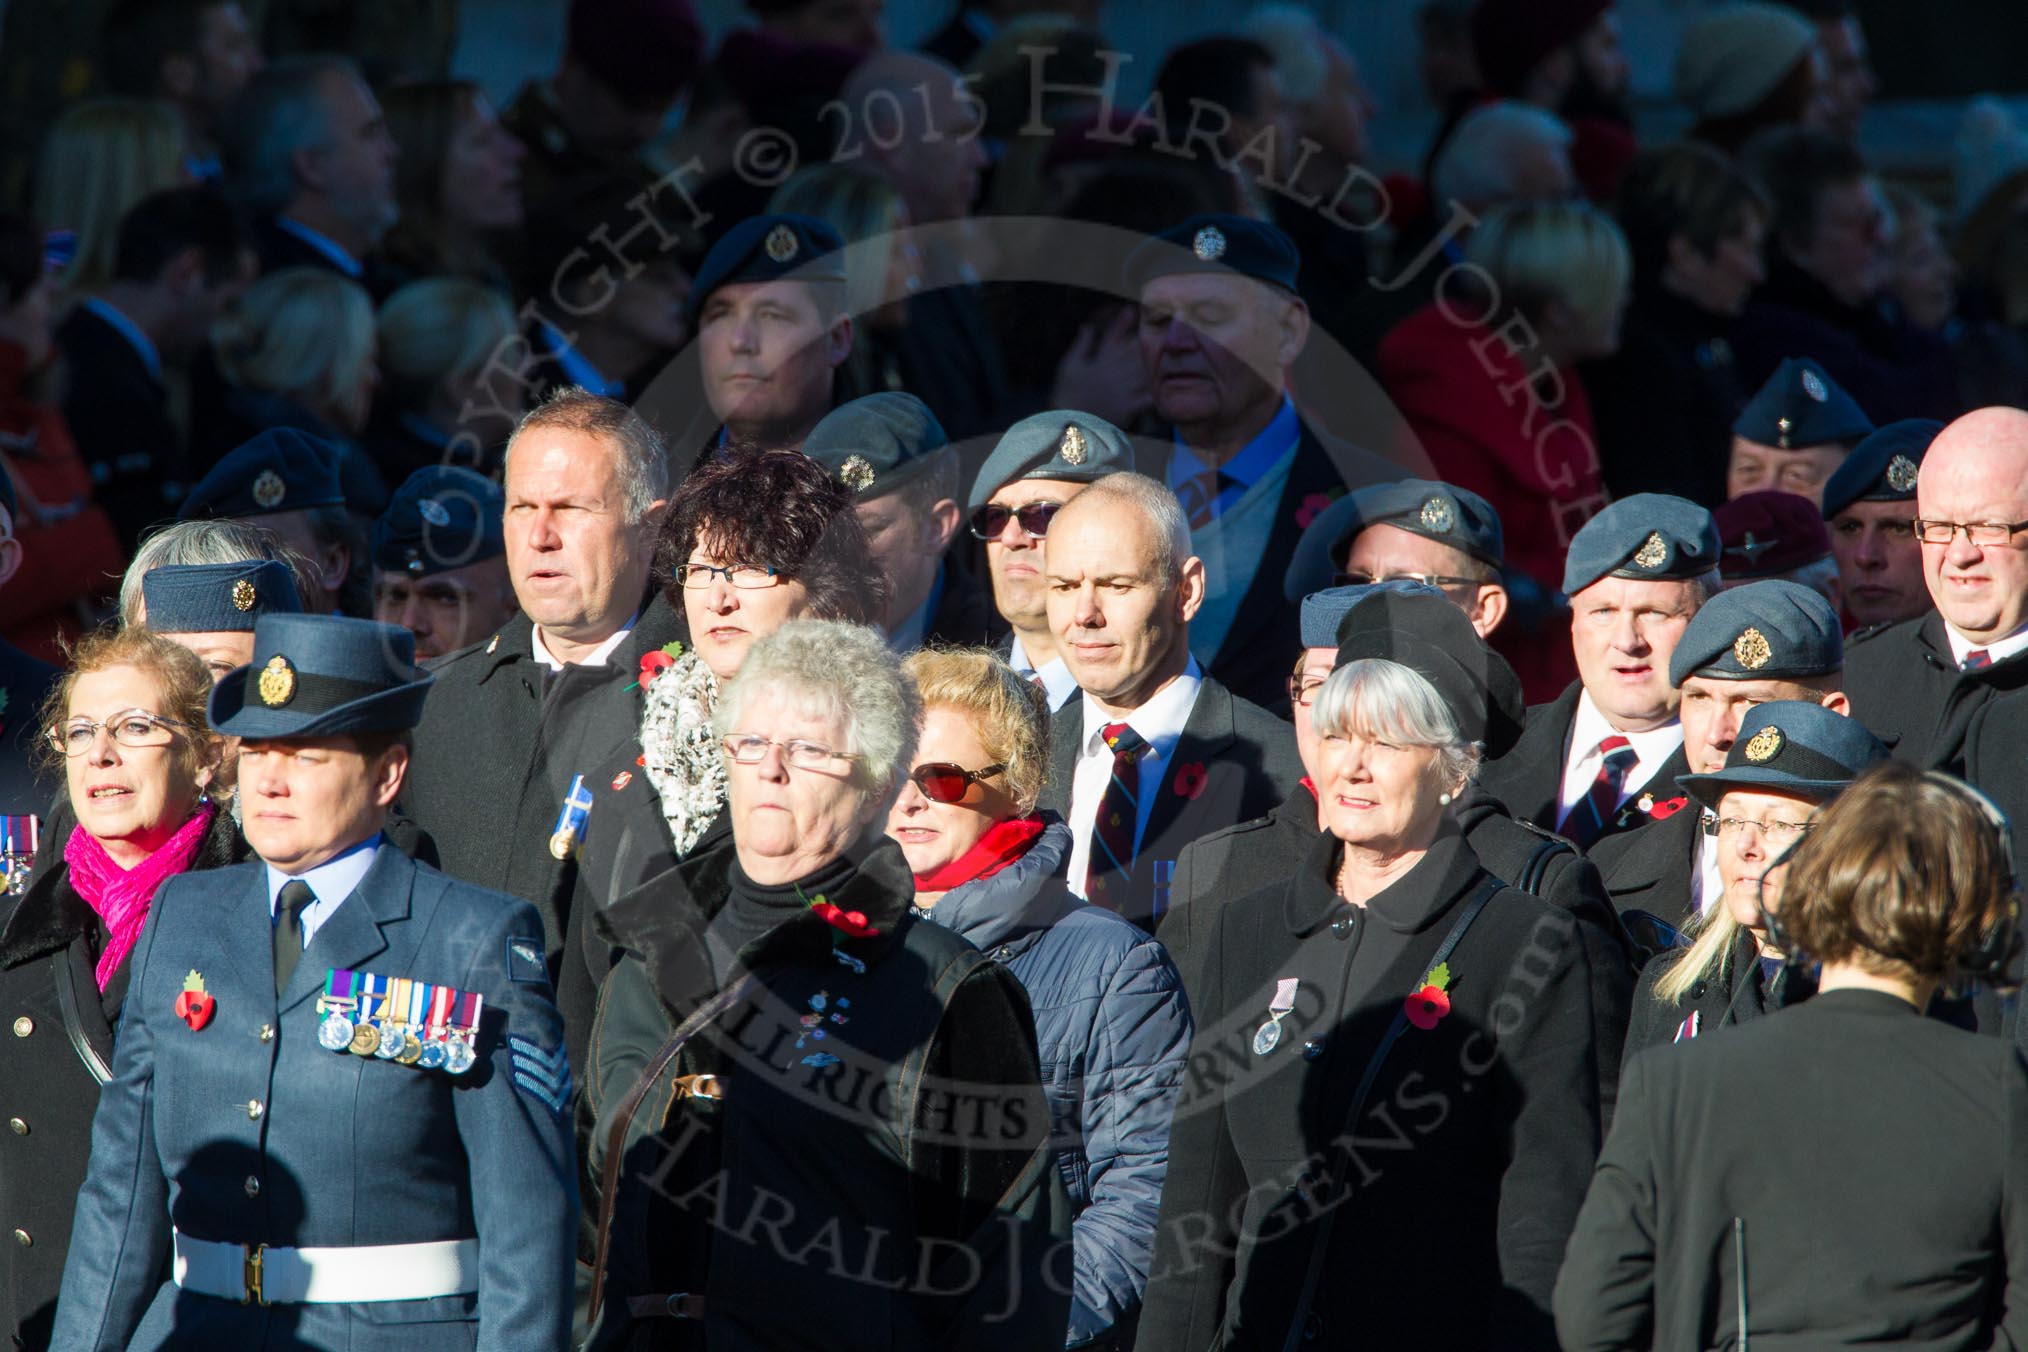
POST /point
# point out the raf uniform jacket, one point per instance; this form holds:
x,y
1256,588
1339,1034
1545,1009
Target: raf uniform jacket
x,y
1247,755
1240,859
247,1131
1529,778
1910,693
500,741
1467,1163
1810,1158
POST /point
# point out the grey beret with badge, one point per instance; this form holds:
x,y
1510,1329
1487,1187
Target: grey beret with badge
x,y
1772,630
1882,468
1058,443
1427,507
1651,537
1800,407
877,443
1794,747
217,598
442,517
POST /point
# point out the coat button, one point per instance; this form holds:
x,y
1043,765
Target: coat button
x,y
1313,1049
24,1239
1341,928
253,1186
23,1026
267,1032
254,1108
19,1127
1697,991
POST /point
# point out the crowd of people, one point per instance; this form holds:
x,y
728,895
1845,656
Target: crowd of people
x,y
1027,721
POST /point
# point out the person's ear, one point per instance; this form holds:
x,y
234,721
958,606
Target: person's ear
x,y
1488,609
209,764
335,562
1190,589
1836,702
388,775
838,342
944,519
10,555
1295,333
307,164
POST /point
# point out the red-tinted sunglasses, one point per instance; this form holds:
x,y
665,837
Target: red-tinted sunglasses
x,y
943,783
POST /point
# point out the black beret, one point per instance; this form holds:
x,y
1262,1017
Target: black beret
x,y
1426,631
1215,243
215,598
1883,467
766,249
1654,537
1060,443
281,470
1790,746
1760,631
442,517
1800,407
877,443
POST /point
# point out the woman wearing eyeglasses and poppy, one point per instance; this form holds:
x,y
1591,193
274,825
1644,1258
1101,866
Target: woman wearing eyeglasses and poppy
x,y
785,1037
1790,758
126,725
1110,1016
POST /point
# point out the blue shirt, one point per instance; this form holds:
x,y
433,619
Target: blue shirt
x,y
1256,458
325,245
129,330
333,880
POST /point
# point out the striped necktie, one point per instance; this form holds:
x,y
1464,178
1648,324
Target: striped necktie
x,y
1199,494
1976,658
1587,820
1111,857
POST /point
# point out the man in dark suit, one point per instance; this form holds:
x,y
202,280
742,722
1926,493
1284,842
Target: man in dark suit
x,y
1156,753
180,260
1221,323
1917,684
889,449
327,1060
1749,645
1636,573
518,722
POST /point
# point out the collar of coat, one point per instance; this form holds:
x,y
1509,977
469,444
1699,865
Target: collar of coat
x,y
1411,903
658,624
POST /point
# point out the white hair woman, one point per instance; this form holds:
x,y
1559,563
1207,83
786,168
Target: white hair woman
x,y
784,1032
1394,1028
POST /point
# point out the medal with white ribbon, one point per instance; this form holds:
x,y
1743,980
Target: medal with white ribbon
x,y
1269,1035
434,1051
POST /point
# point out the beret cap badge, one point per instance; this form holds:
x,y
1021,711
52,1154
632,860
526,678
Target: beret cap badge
x,y
268,489
1209,244
1752,650
1764,744
1901,474
1437,514
1653,551
856,473
278,682
1814,387
1072,448
781,244
433,511
243,595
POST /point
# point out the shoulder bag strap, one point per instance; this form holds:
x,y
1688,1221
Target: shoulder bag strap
x,y
1537,866
73,1022
1321,1245
623,1118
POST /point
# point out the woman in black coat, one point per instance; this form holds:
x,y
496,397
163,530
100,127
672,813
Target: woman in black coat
x,y
137,759
1391,1104
1850,1173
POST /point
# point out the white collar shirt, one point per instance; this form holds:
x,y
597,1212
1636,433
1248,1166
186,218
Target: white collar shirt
x,y
1160,723
597,657
1588,727
1998,651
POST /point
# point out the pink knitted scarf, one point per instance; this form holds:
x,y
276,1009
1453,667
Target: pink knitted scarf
x,y
121,896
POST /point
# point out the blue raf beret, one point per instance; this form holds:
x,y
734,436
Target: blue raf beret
x,y
1654,537
1790,746
281,470
442,517
1323,611
877,443
215,598
767,249
1060,443
1760,631
319,676
1437,511
1800,407
1216,243
1883,467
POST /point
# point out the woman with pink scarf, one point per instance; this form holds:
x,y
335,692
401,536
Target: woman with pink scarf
x,y
126,726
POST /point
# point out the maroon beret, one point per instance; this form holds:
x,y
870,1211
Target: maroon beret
x,y
1512,37
1768,534
643,50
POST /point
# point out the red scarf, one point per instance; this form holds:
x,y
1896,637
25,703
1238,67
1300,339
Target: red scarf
x,y
1002,844
121,896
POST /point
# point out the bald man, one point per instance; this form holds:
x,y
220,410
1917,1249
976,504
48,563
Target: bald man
x,y
1918,684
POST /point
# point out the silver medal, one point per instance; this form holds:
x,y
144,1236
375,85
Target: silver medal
x,y
433,1056
458,1056
1267,1037
334,1034
390,1042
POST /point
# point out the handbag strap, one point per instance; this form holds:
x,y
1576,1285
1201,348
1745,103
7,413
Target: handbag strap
x,y
65,977
1313,1274
623,1118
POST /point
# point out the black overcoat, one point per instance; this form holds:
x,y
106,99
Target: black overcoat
x,y
1909,692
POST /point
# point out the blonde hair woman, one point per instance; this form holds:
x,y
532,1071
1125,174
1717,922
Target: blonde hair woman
x,y
99,159
437,337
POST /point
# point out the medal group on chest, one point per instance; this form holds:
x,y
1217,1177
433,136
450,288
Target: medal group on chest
x,y
413,1023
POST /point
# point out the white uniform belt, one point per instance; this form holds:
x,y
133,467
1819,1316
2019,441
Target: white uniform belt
x,y
254,1274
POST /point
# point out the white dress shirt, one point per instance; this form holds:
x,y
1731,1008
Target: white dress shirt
x,y
1705,884
333,880
1999,650
595,658
1581,760
1160,723
1057,682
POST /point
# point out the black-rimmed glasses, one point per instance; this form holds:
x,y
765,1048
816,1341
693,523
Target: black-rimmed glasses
x,y
745,576
989,521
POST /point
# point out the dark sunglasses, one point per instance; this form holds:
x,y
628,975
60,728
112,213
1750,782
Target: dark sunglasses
x,y
990,520
943,783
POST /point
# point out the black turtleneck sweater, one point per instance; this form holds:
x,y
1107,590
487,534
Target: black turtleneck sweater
x,y
754,910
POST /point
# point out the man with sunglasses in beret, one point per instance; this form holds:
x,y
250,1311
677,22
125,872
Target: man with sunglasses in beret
x,y
331,1057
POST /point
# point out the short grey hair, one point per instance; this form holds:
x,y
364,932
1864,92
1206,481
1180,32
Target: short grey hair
x,y
639,453
1374,697
280,112
1477,165
1293,36
1157,506
211,541
840,671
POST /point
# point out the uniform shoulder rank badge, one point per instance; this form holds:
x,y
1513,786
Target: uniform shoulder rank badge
x,y
542,1073
411,1023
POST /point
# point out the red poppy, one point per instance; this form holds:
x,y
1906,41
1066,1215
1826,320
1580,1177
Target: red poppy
x,y
1668,808
1311,507
654,664
1190,780
851,922
1427,1006
194,1008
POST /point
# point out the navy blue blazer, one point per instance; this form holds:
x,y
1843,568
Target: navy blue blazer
x,y
247,1131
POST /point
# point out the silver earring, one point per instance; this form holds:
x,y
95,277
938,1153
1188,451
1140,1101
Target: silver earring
x,y
1443,800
